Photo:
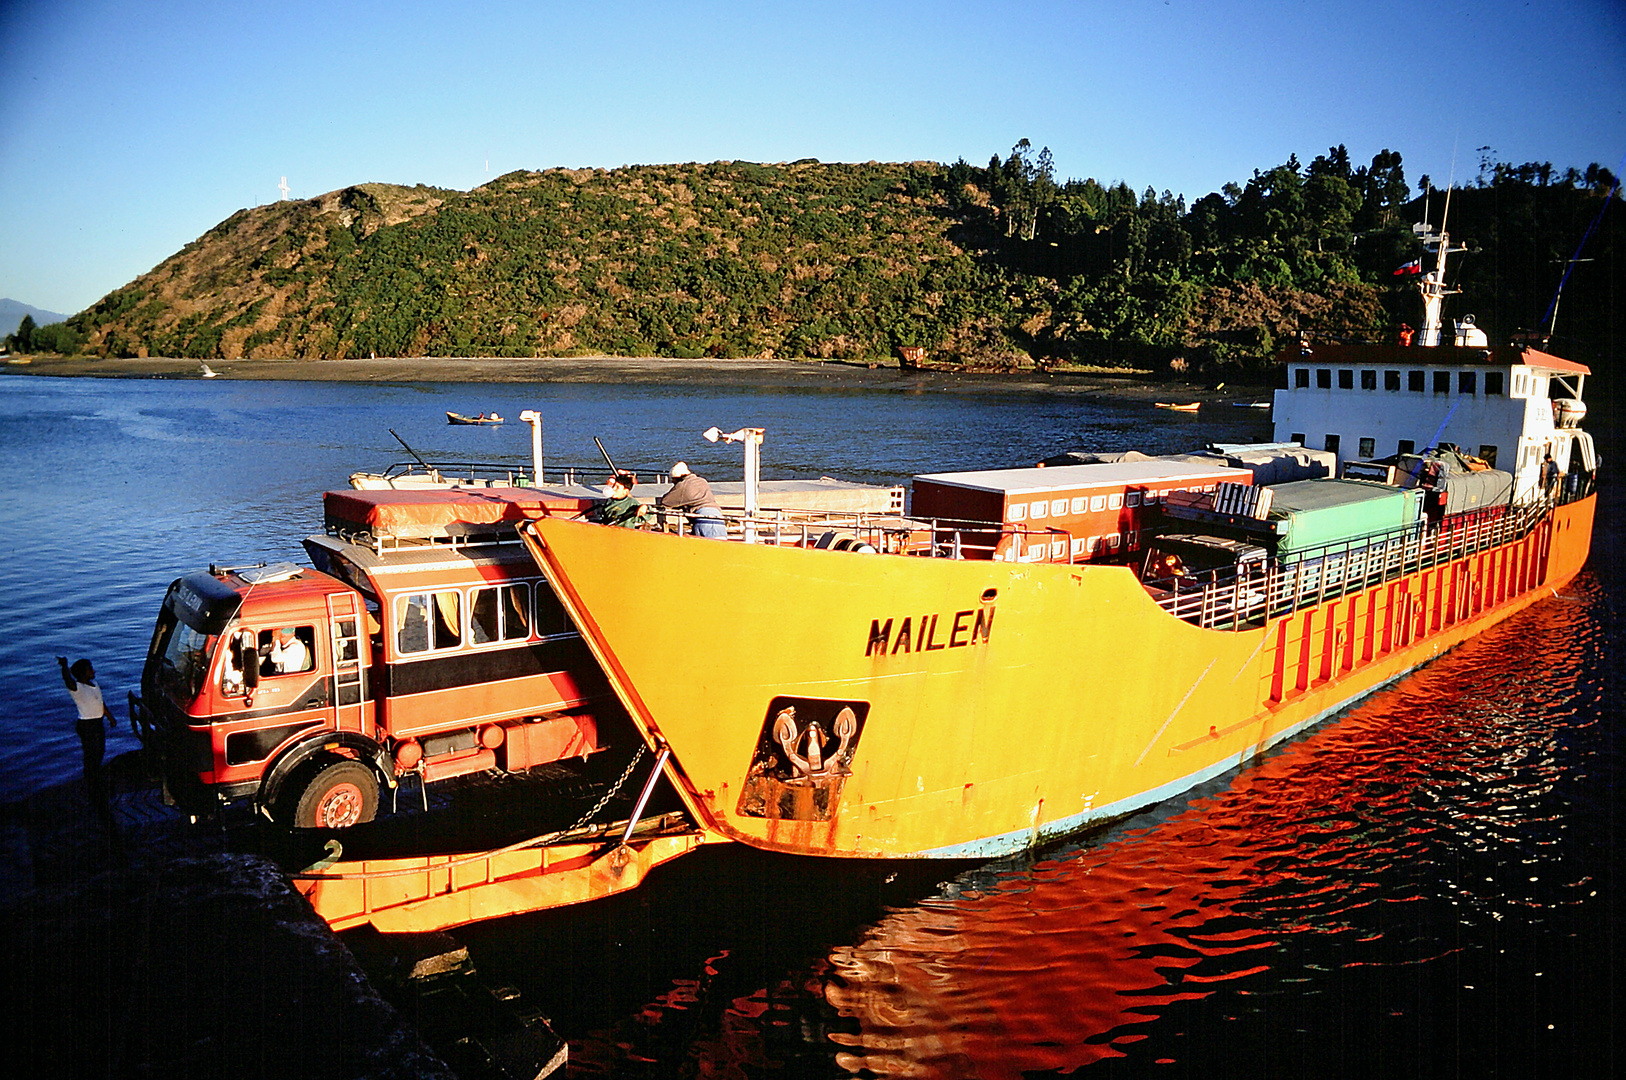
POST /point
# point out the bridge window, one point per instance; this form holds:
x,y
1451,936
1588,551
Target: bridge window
x,y
1414,381
1391,380
1369,380
1296,437
1346,379
1493,384
1406,446
1368,448
1442,382
1331,443
1466,381
1323,378
1301,378
1487,453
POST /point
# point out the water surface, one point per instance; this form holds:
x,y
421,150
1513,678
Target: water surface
x,y
1426,886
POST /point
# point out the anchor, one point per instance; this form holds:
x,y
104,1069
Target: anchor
x,y
813,765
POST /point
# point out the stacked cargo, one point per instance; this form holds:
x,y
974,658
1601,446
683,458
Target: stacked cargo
x,y
1070,513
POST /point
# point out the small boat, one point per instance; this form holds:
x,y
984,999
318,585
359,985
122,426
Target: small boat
x,y
459,418
1251,404
1178,408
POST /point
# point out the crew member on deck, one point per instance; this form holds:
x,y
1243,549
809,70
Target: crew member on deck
x,y
692,495
1549,475
621,508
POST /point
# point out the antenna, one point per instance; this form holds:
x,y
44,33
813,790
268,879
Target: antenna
x,y
283,187
1550,316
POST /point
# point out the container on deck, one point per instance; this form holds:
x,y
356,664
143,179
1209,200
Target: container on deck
x,y
1314,513
1069,513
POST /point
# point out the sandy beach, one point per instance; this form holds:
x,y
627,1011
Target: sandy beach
x,y
814,374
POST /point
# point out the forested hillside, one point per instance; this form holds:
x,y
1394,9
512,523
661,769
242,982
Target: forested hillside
x,y
996,266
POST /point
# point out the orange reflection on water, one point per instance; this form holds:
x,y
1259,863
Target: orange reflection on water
x,y
1340,836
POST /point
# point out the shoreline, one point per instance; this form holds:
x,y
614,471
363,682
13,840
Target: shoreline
x,y
741,373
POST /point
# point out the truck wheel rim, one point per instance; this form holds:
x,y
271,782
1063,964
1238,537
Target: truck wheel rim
x,y
340,807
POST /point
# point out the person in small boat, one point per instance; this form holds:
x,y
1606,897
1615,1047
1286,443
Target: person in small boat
x,y
692,495
621,508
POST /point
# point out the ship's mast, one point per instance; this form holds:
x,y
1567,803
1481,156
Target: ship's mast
x,y
1433,285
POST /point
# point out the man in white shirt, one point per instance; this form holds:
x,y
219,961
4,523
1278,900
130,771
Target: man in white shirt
x,y
87,699
288,653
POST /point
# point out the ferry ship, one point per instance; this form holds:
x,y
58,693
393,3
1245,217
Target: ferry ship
x,y
914,696
1028,653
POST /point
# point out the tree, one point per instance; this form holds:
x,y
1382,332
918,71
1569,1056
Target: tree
x,y
57,337
1383,190
23,339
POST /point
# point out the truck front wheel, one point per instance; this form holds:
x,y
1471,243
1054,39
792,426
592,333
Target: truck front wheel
x,y
340,795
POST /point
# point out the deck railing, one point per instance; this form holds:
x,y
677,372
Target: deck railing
x,y
886,533
500,474
1225,599
1219,599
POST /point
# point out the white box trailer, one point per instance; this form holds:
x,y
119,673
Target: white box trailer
x,y
1065,513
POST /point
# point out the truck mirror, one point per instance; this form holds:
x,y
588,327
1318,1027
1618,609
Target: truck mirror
x,y
248,661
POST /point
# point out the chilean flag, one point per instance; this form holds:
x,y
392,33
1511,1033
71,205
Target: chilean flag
x,y
1413,267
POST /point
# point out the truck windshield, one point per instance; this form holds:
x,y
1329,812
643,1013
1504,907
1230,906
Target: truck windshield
x,y
184,663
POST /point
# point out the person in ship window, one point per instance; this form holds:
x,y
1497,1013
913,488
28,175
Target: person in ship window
x,y
621,509
288,654
692,495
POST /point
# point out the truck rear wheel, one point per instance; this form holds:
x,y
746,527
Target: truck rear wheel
x,y
340,795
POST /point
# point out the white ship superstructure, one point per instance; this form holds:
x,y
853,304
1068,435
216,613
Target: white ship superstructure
x,y
1509,405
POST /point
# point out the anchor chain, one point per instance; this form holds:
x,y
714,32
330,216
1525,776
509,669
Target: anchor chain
x,y
608,795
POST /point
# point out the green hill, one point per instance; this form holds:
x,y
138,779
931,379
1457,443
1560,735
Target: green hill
x,y
993,267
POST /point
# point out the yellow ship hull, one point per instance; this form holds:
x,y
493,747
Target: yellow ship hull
x,y
971,709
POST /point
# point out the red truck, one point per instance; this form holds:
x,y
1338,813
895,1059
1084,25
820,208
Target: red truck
x,y
421,643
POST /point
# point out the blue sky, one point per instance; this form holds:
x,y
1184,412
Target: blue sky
x,y
129,128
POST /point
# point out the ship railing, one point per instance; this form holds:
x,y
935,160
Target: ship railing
x,y
894,534
1232,598
409,474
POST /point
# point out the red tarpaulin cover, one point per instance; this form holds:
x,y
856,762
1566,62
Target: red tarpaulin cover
x,y
399,511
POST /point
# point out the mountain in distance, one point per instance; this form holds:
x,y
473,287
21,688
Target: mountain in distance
x,y
12,312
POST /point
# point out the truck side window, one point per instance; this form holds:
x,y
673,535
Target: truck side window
x,y
550,614
426,621
287,654
501,613
238,649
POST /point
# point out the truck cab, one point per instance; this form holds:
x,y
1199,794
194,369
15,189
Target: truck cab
x,y
309,689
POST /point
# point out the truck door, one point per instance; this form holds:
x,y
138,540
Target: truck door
x,y
349,673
